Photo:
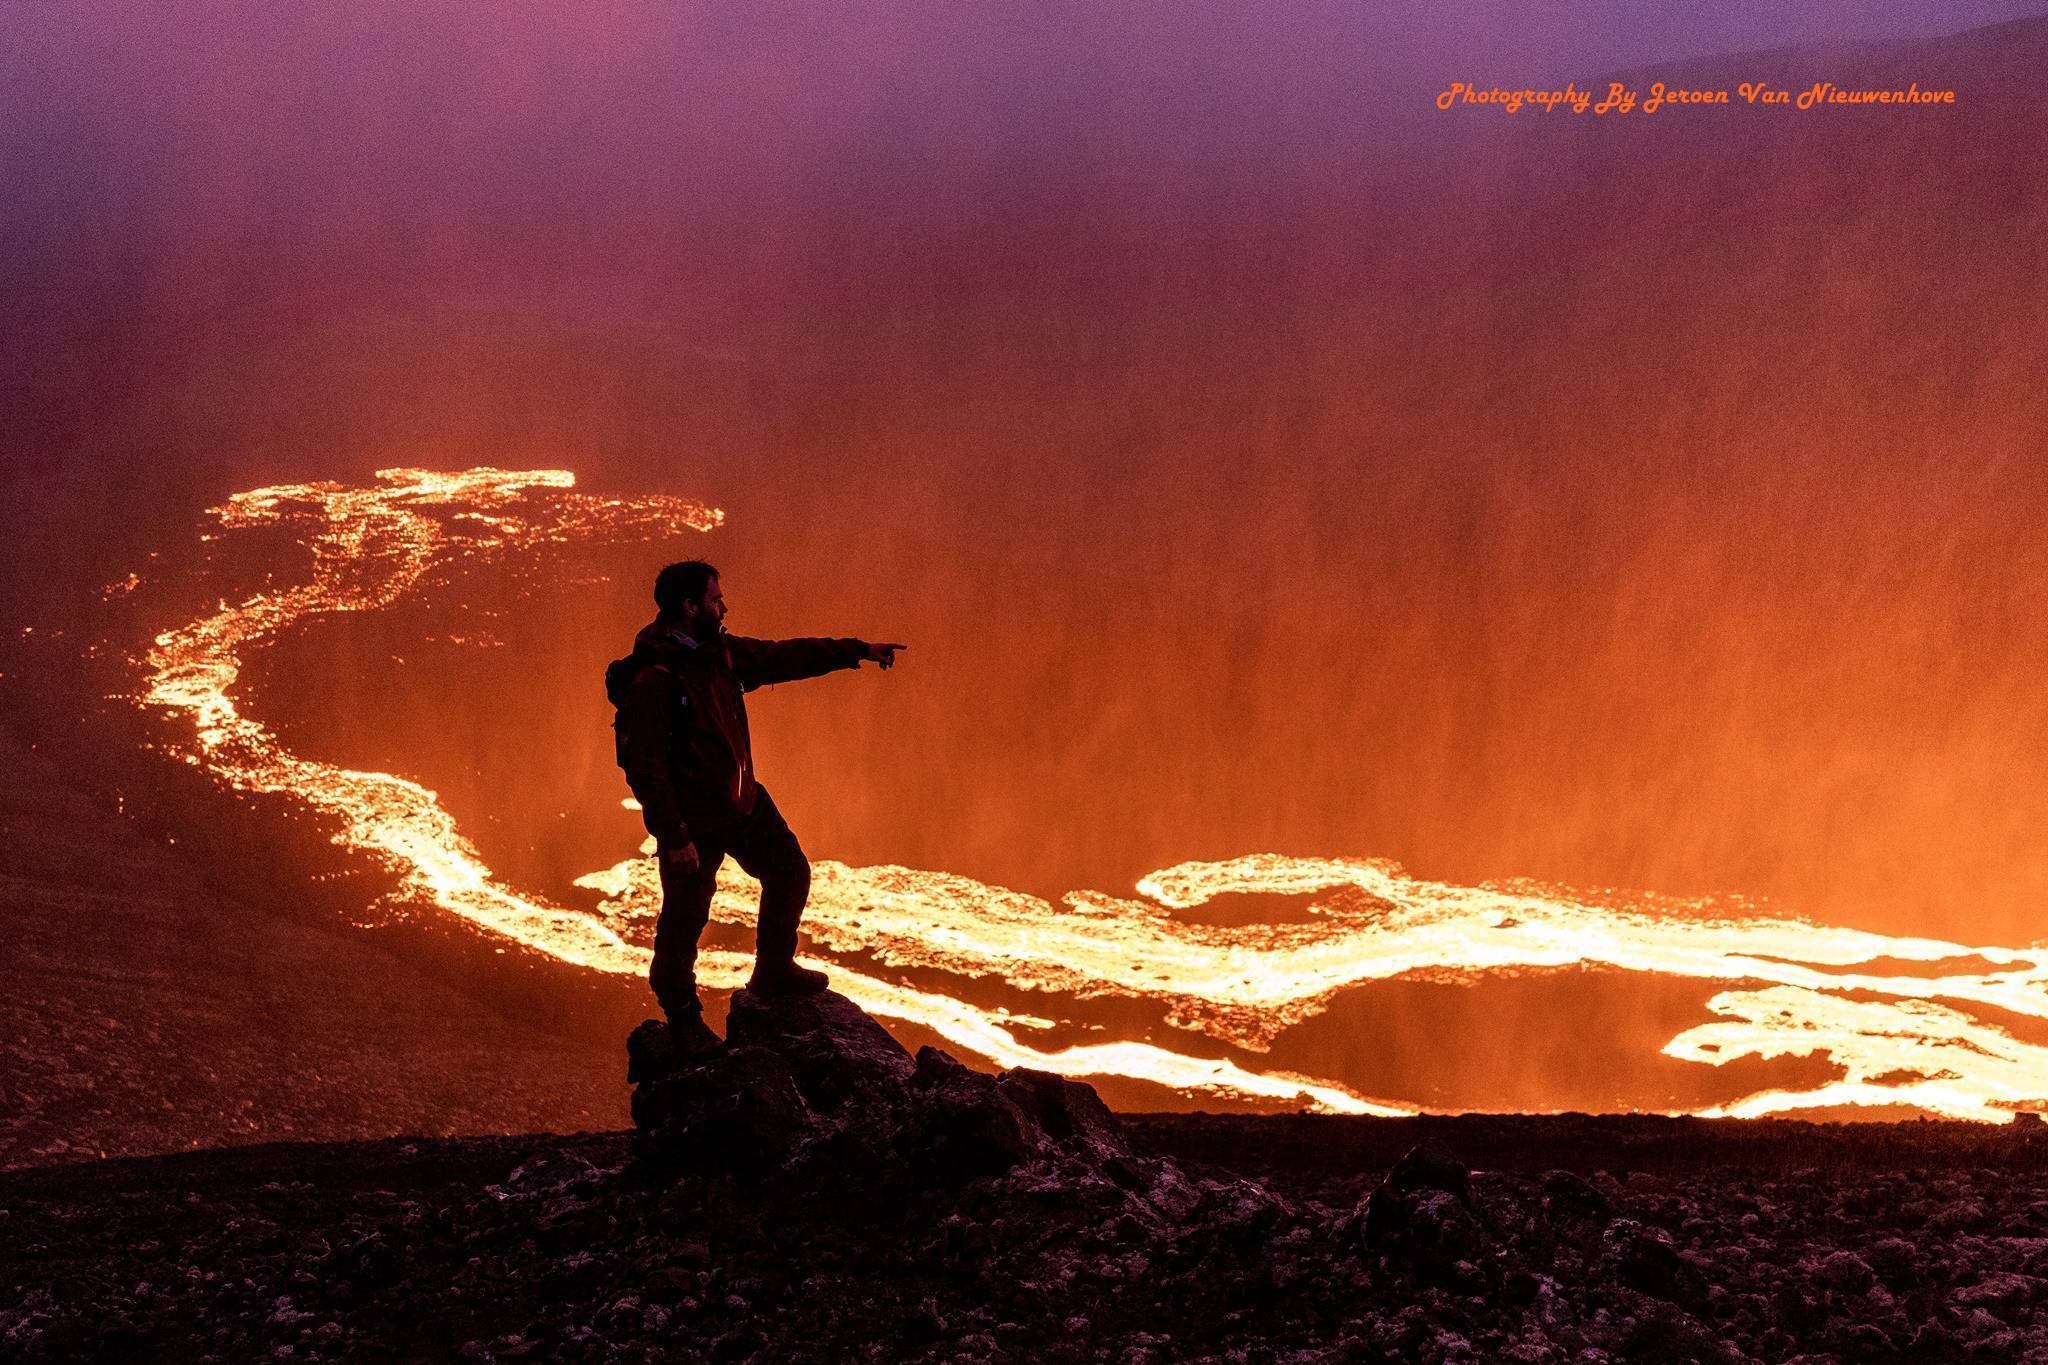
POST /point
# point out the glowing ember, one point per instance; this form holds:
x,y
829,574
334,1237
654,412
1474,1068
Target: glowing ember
x,y
1799,991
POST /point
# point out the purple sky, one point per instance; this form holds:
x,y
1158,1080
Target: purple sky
x,y
1401,42
1502,38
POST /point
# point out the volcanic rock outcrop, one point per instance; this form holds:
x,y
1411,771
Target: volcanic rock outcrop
x,y
814,1088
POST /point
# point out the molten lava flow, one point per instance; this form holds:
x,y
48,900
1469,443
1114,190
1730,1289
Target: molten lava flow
x,y
1900,1039
371,545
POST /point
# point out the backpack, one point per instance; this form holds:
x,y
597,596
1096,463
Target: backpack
x,y
618,682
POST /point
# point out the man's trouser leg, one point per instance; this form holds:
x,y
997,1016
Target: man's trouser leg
x,y
765,847
685,909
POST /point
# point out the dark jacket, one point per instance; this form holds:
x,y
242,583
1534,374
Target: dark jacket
x,y
684,736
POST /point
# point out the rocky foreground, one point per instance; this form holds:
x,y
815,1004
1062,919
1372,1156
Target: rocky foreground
x,y
815,1193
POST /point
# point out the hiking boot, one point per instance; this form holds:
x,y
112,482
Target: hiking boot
x,y
785,978
691,1036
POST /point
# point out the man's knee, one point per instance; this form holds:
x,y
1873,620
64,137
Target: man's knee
x,y
771,854
789,873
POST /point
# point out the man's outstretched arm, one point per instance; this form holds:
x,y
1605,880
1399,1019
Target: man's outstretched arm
x,y
762,662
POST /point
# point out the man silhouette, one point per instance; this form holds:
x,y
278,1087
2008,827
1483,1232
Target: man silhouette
x,y
685,749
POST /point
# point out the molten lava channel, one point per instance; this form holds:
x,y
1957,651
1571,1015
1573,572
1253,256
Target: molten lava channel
x,y
1899,1038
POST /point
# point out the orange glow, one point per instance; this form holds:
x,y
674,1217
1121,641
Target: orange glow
x,y
1791,982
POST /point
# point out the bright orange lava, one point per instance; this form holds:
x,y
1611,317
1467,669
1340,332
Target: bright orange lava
x,y
1790,984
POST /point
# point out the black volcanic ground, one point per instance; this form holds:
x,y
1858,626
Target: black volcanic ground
x,y
770,1210
145,1008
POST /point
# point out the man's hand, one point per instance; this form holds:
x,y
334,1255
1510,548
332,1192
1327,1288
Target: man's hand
x,y
884,654
682,857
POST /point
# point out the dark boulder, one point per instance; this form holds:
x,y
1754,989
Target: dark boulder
x,y
1895,1259
1665,1335
1427,1166
961,1125
1421,1216
737,1109
836,1051
1572,1201
1066,1112
1641,1257
649,1052
1845,1272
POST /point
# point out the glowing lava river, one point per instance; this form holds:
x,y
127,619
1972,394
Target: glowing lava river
x,y
1791,988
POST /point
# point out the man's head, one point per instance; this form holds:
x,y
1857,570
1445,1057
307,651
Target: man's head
x,y
687,595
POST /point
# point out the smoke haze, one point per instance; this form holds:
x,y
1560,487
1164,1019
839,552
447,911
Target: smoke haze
x,y
1255,459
